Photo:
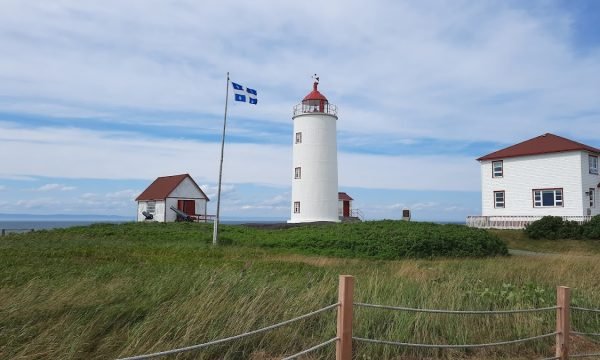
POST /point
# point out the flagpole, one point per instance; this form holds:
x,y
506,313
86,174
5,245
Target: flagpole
x,y
216,223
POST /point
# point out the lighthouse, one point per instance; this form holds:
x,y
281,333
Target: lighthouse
x,y
314,169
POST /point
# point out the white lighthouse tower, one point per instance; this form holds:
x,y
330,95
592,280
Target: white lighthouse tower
x,y
314,170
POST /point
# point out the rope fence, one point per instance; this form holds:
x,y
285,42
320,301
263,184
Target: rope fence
x,y
316,347
231,338
463,312
584,334
450,346
585,309
344,336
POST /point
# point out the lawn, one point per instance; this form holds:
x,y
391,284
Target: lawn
x,y
109,291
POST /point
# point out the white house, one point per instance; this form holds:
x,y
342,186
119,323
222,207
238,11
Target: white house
x,y
314,171
178,191
546,175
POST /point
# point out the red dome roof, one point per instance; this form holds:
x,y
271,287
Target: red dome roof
x,y
315,94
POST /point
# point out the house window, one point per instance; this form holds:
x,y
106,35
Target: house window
x,y
497,169
151,207
298,137
296,207
297,173
498,199
592,197
548,198
593,161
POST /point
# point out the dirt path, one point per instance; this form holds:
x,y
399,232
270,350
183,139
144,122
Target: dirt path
x,y
516,252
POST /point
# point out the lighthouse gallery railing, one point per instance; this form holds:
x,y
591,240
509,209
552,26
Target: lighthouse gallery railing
x,y
326,108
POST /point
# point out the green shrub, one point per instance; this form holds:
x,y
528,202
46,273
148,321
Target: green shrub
x,y
553,227
547,227
570,230
591,229
385,240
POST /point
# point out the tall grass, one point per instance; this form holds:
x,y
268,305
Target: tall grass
x,y
105,292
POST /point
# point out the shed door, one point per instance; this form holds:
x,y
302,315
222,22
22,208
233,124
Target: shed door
x,y
346,208
187,206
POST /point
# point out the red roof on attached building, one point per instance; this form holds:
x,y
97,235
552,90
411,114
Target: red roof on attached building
x,y
315,94
543,144
343,196
163,186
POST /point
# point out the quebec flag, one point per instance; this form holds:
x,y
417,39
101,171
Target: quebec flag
x,y
244,94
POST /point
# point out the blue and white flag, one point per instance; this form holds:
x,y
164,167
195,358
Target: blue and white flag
x,y
244,94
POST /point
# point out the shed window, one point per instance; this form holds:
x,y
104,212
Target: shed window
x,y
296,207
151,207
593,161
548,198
298,137
497,169
298,173
498,199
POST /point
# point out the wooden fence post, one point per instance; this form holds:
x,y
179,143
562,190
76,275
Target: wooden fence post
x,y
343,349
563,322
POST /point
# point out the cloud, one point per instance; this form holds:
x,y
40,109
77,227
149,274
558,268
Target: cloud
x,y
127,194
113,79
55,187
212,190
17,177
412,69
2,187
279,203
140,157
44,203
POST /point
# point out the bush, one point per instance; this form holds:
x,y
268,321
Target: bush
x,y
553,227
386,240
547,227
591,229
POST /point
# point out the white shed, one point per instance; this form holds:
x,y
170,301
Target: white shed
x,y
546,175
178,191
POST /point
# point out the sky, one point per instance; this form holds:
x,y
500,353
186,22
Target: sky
x,y
98,98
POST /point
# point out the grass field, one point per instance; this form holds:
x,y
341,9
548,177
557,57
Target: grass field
x,y
111,291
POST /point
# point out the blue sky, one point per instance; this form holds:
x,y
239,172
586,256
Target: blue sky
x,y
99,98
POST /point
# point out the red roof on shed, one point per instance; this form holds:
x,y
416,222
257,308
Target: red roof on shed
x,y
163,186
344,196
543,144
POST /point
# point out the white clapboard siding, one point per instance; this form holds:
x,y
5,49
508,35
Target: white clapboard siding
x,y
524,173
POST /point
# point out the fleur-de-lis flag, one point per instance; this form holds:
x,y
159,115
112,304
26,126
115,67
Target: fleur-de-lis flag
x,y
244,94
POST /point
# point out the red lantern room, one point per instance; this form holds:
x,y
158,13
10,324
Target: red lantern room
x,y
315,99
315,102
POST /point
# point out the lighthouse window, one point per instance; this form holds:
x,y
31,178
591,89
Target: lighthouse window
x,y
298,137
297,173
296,207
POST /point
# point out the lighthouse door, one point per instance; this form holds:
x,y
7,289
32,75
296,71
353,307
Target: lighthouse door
x,y
346,209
